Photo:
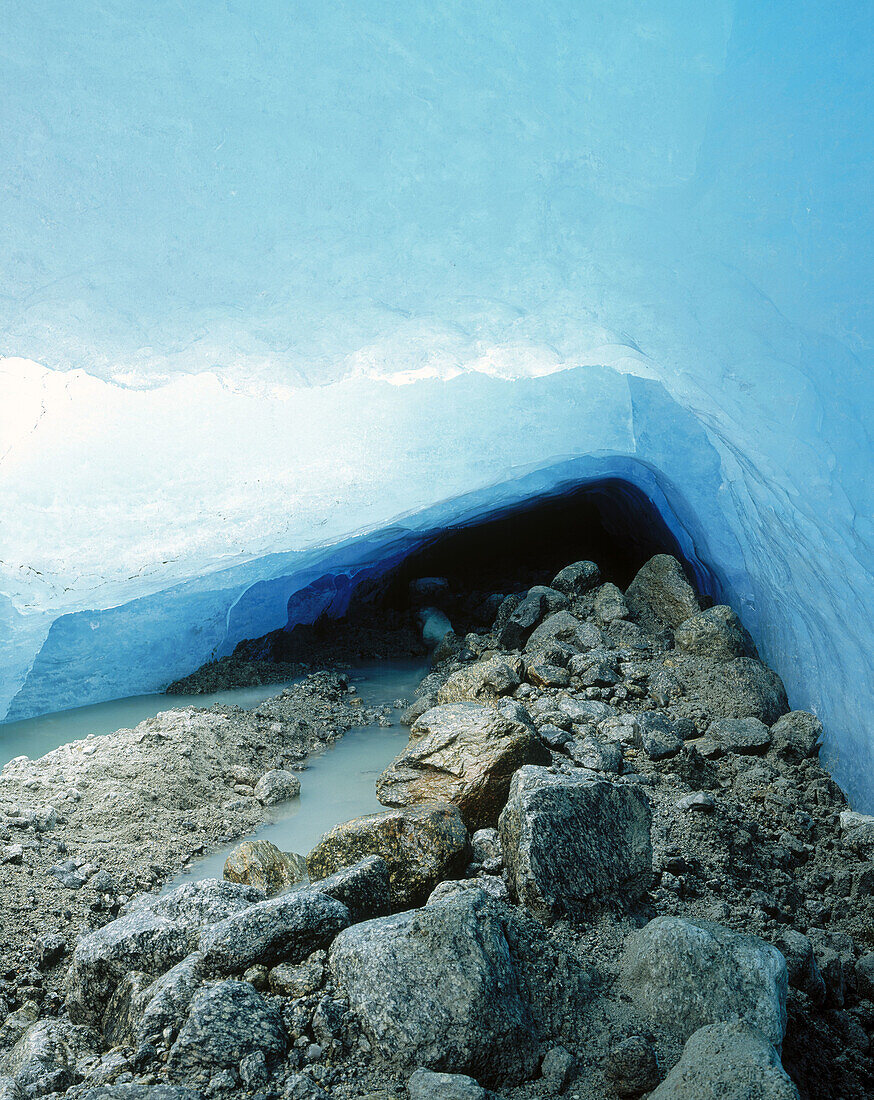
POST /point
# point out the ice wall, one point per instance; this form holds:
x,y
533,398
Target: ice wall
x,y
287,287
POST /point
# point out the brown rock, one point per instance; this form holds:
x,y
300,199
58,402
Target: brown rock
x,y
260,863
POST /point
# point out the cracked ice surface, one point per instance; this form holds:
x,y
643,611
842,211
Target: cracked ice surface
x,y
281,293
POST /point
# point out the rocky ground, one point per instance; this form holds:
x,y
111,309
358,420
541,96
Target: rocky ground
x,y
611,865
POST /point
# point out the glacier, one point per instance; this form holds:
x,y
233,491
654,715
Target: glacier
x,y
289,289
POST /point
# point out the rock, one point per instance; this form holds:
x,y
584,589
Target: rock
x,y
660,596
137,1091
277,786
556,1069
164,1003
260,863
741,688
418,708
727,1061
364,888
599,756
485,680
299,1087
436,988
420,844
699,801
546,675
742,735
51,948
426,1085
253,1070
865,976
801,968
796,736
158,932
631,1066
485,847
464,754
226,1022
574,845
8,1089
297,981
717,633
44,1058
529,612
283,929
565,629
554,737
597,668
684,974
577,579
610,604
656,734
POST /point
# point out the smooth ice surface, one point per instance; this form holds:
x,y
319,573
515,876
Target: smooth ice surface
x,y
287,287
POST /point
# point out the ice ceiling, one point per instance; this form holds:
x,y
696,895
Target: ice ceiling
x,y
285,286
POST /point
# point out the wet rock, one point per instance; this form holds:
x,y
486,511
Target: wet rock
x,y
610,604
297,981
418,708
420,844
796,736
741,735
631,1066
157,933
664,967
260,863
577,579
277,786
529,612
486,680
660,596
395,971
717,633
574,845
556,1069
727,1061
426,1085
364,888
464,754
44,1058
287,928
657,735
227,1021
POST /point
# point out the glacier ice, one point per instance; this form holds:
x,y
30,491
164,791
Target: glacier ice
x,y
287,288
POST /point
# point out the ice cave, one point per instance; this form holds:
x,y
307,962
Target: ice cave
x,y
291,290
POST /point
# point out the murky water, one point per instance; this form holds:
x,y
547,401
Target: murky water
x,y
339,783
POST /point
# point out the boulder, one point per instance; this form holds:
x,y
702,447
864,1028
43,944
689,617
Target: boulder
x,y
426,1085
564,629
436,988
464,754
577,579
421,845
537,603
593,753
277,786
135,1091
139,1013
226,1022
44,1058
684,974
486,680
660,596
297,981
801,968
631,1066
727,1061
657,735
796,736
610,604
741,735
364,888
717,633
260,863
546,674
742,688
574,844
158,932
283,929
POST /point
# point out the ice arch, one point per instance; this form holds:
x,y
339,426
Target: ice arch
x,y
290,285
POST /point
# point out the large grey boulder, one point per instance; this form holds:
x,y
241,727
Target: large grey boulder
x,y
573,844
282,929
657,735
741,735
44,1058
741,688
465,754
156,934
660,596
427,1085
564,629
421,845
684,974
728,1061
486,681
716,632
796,736
537,603
227,1021
140,1010
364,888
436,988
